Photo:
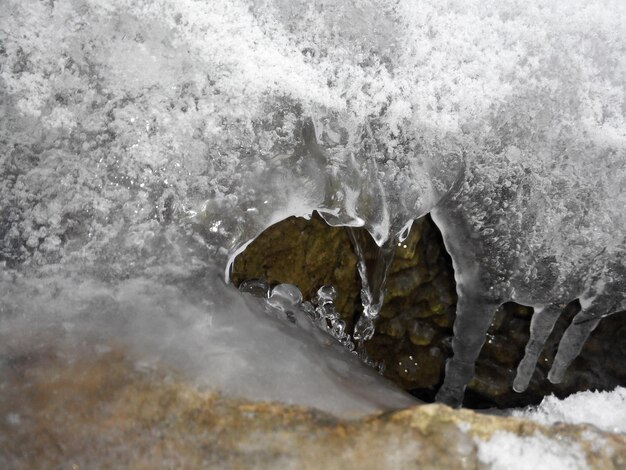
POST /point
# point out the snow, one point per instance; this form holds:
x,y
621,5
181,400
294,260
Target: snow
x,y
508,451
604,410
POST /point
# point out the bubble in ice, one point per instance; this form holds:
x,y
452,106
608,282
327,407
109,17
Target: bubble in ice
x,y
326,294
255,287
284,296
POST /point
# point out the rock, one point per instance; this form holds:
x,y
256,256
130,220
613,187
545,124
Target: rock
x,y
414,330
61,409
306,253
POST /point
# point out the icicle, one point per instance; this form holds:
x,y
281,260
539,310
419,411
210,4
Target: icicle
x,y
372,287
474,315
541,326
572,342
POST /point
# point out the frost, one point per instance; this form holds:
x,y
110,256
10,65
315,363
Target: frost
x,y
135,132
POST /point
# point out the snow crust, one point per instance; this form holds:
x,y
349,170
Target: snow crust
x,y
209,100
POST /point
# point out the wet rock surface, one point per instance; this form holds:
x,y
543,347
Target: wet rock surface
x,y
100,409
414,330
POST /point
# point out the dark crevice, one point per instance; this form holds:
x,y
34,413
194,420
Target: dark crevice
x,y
414,329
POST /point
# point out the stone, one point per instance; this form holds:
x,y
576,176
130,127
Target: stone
x,y
306,253
61,409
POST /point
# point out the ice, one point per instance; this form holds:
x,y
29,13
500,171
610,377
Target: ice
x,y
285,296
373,283
541,326
324,315
255,287
205,331
138,135
604,410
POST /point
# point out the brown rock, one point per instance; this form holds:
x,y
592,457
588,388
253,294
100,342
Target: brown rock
x,y
100,411
307,253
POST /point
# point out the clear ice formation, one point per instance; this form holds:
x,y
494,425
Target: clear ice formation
x,y
372,284
321,312
200,331
132,131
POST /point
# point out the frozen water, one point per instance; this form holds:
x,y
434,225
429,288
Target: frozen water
x,y
373,283
285,296
199,327
541,325
144,135
325,316
255,287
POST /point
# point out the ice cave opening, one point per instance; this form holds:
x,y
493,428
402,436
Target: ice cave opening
x,y
414,328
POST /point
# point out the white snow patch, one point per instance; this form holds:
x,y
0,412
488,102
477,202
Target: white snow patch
x,y
508,451
605,410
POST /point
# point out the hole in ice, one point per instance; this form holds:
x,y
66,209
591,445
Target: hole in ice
x,y
413,329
